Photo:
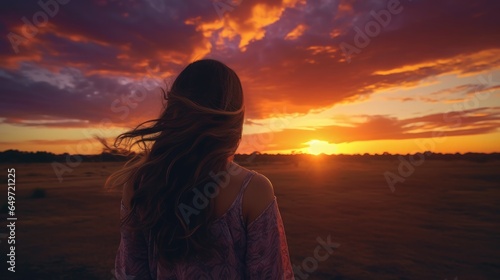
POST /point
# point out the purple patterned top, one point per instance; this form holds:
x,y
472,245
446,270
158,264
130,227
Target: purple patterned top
x,y
256,251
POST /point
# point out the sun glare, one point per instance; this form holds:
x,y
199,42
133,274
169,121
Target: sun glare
x,y
317,147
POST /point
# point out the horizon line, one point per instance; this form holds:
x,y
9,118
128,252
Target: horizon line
x,y
274,154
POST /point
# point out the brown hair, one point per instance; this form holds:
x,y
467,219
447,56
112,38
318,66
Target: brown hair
x,y
196,133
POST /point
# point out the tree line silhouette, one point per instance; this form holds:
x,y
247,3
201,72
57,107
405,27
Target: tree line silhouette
x,y
16,156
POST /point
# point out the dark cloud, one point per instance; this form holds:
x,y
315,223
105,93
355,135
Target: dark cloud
x,y
31,97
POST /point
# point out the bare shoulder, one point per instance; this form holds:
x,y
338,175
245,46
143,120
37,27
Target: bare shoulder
x,y
258,195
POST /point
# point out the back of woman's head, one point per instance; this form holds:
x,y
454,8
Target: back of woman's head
x,y
197,132
211,84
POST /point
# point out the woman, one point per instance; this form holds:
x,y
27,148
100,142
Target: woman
x,y
188,210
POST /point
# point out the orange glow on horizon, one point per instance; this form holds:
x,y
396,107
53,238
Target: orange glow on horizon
x,y
317,147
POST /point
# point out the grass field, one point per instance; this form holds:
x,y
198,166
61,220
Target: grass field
x,y
441,223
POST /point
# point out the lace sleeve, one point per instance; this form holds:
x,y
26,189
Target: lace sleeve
x,y
267,254
132,256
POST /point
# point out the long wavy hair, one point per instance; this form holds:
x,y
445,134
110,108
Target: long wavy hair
x,y
198,130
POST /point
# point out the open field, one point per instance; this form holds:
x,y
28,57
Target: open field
x,y
441,223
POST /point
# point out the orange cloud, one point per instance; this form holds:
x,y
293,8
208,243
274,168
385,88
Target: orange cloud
x,y
296,33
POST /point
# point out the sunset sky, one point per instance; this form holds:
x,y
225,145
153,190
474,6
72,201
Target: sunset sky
x,y
331,76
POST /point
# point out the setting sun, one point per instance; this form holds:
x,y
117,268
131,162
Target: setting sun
x,y
317,147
